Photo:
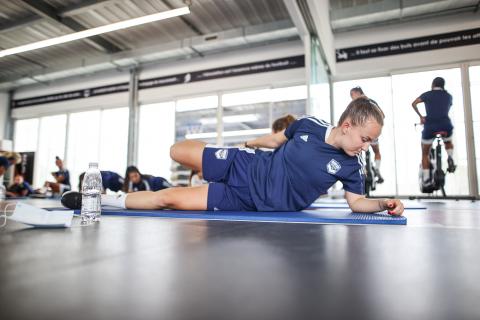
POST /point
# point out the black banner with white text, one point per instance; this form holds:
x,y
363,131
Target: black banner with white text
x,y
433,42
210,74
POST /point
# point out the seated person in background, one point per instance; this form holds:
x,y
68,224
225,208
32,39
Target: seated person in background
x,y
20,188
282,123
13,157
62,179
4,164
110,180
135,181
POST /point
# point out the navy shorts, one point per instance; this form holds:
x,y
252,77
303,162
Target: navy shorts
x,y
430,130
227,171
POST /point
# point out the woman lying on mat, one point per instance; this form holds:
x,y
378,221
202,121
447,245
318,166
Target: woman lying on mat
x,y
309,157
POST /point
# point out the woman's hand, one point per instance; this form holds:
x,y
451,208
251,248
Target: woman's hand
x,y
394,207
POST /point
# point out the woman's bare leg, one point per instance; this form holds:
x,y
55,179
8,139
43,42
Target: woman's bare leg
x,y
376,151
425,160
188,153
180,198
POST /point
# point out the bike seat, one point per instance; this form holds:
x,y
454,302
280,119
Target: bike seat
x,y
442,134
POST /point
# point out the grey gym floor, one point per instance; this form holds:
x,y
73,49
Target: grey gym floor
x,y
153,268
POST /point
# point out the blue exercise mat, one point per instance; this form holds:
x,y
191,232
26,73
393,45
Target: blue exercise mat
x,y
344,205
337,216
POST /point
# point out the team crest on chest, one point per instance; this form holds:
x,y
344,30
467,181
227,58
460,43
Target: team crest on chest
x,y
333,166
304,137
221,154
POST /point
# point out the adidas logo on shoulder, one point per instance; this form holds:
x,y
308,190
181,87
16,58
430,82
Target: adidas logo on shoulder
x,y
304,137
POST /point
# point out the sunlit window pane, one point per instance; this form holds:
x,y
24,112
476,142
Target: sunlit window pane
x,y
114,140
83,143
320,95
156,136
288,93
26,132
406,88
196,116
199,103
246,97
249,114
51,144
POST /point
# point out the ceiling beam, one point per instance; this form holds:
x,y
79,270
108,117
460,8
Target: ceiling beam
x,y
20,23
84,6
49,13
68,11
184,19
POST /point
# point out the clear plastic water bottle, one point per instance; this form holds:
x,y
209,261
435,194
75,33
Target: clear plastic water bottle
x,y
91,194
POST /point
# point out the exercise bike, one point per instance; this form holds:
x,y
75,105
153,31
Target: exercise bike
x,y
437,175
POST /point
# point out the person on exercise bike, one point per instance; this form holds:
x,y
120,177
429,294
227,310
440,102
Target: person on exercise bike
x,y
356,93
437,105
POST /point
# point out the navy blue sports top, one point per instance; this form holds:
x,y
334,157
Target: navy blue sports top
x,y
66,174
149,183
112,180
303,168
437,105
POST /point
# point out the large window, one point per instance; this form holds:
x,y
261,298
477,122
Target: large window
x,y
46,137
405,88
26,132
196,118
246,115
474,73
26,138
83,143
400,139
156,135
51,143
290,100
114,140
97,136
249,114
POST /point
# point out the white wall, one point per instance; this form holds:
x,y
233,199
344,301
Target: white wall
x,y
364,68
165,93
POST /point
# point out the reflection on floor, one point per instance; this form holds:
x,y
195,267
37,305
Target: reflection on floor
x,y
152,268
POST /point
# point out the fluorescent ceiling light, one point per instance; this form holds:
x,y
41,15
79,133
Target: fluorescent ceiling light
x,y
236,133
96,31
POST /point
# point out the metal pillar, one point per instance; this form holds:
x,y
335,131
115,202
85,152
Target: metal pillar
x,y
469,133
133,118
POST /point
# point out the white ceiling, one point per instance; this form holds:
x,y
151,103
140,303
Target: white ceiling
x,y
213,26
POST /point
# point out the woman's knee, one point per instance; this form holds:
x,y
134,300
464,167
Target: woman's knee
x,y
173,151
181,149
